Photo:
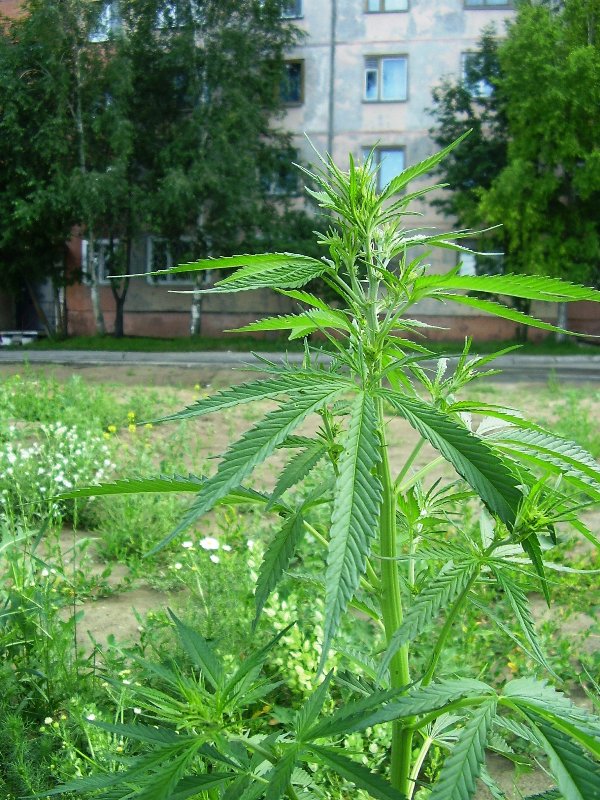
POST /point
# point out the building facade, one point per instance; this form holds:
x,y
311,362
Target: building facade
x,y
361,78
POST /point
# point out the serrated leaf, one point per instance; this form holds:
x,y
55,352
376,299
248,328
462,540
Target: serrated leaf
x,y
271,270
441,593
277,558
577,777
311,707
387,705
547,450
422,168
279,777
288,383
256,445
298,468
551,794
305,297
520,606
193,785
200,652
360,776
531,546
459,773
299,324
528,287
470,456
504,312
354,516
136,486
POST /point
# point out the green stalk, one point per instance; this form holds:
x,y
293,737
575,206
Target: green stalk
x,y
391,610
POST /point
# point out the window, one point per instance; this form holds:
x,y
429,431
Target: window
x,y
291,9
374,6
292,84
164,254
107,21
388,161
106,252
488,4
386,78
281,177
469,68
170,15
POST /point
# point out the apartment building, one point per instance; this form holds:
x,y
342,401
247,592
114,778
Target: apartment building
x,y
362,77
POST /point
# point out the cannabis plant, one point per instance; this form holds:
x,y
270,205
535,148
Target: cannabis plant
x,y
392,549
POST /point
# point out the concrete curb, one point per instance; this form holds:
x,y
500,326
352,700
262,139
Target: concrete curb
x,y
514,367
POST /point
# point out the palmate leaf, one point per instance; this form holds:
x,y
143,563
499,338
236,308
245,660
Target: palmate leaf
x,y
311,708
577,777
354,516
528,287
288,383
163,483
457,779
440,594
193,785
550,794
500,310
470,456
520,606
252,449
279,777
352,771
552,453
277,559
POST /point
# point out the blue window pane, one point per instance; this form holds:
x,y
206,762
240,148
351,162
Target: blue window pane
x,y
393,79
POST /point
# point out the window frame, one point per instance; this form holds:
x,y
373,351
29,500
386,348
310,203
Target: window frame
x,y
381,59
482,90
294,103
165,280
383,10
100,246
486,5
377,151
298,14
109,20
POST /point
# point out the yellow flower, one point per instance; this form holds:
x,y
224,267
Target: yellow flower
x,y
512,667
112,429
131,416
148,426
197,387
132,428
106,435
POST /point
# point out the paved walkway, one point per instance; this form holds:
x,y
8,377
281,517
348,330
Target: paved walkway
x,y
514,367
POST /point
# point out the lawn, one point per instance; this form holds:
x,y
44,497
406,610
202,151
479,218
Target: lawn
x,y
84,602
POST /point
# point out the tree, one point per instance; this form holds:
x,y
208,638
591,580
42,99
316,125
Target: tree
x,y
549,191
164,123
534,158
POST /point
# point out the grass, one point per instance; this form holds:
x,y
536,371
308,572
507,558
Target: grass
x,y
245,344
122,532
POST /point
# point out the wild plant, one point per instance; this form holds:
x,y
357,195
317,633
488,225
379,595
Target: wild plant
x,y
391,549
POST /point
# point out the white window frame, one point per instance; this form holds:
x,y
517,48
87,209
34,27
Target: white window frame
x,y
164,280
482,88
101,247
487,4
108,21
287,12
382,7
379,154
375,66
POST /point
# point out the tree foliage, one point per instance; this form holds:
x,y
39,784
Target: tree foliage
x,y
166,122
534,159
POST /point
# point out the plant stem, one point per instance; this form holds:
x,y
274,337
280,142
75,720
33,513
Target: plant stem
x,y
391,610
409,461
414,775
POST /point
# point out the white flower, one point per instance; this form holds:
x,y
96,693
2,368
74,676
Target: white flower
x,y
178,565
215,559
250,544
48,720
126,682
137,710
188,545
226,547
209,543
91,717
44,573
